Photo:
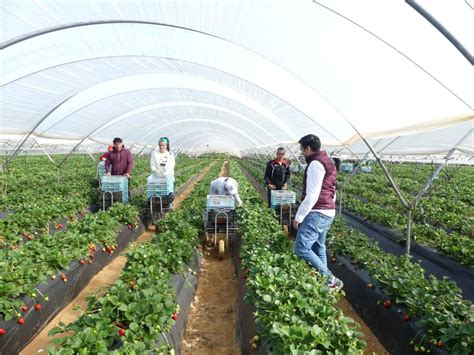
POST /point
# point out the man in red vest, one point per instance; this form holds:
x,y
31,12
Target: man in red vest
x,y
317,209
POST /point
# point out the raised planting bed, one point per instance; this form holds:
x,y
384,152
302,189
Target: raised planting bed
x,y
185,287
387,320
61,291
430,310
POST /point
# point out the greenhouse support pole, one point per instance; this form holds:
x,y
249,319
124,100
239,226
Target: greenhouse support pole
x,y
409,227
87,151
405,204
141,151
44,150
294,155
433,176
349,178
389,177
436,24
269,153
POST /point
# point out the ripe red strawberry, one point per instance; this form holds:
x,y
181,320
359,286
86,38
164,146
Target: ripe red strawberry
x,y
59,226
89,261
406,317
82,262
439,344
3,331
38,307
21,321
174,317
121,332
30,237
24,309
387,304
130,226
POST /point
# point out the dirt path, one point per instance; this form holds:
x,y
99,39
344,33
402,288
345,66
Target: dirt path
x,y
373,344
212,321
106,277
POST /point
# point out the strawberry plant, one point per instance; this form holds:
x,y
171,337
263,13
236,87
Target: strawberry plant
x,y
293,304
437,305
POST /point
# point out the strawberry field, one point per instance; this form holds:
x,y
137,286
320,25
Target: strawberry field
x,y
50,226
435,308
51,235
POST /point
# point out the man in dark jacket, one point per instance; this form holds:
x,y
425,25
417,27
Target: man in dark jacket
x,y
277,173
317,209
121,160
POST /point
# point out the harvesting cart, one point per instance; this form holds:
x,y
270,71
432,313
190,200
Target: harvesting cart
x,y
160,193
220,220
112,189
285,206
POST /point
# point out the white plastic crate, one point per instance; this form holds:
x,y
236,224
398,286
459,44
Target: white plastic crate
x,y
159,185
114,183
347,167
220,201
282,197
101,169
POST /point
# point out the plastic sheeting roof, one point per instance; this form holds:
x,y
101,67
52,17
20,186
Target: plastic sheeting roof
x,y
234,75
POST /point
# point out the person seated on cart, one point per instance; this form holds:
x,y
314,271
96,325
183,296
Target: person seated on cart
x,y
226,186
277,173
162,161
119,161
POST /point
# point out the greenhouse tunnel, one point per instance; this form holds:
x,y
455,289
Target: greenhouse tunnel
x,y
382,84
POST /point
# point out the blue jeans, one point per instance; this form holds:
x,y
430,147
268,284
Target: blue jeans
x,y
310,243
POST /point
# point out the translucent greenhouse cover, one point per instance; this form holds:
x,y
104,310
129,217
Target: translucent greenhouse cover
x,y
236,76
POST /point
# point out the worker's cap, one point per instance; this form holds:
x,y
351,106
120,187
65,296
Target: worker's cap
x,y
110,148
231,186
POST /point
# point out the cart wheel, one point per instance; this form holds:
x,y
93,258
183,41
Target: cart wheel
x,y
285,229
221,249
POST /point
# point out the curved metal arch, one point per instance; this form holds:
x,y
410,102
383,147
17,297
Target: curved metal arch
x,y
194,147
91,23
88,137
184,139
198,141
183,136
251,83
227,126
259,107
148,108
218,136
104,22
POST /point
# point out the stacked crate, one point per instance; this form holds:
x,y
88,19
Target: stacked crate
x,y
220,202
347,167
159,185
117,185
282,197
